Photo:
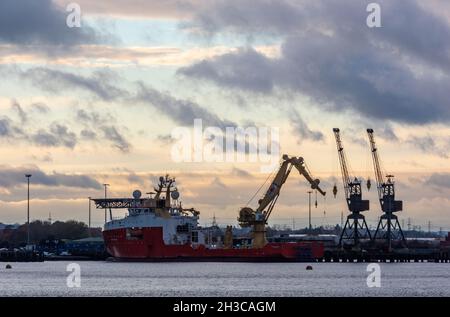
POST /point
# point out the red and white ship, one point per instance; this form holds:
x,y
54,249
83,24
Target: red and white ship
x,y
158,228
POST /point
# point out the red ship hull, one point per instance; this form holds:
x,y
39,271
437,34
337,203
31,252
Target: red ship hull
x,y
151,247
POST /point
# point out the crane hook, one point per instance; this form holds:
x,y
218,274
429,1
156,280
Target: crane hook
x,y
335,190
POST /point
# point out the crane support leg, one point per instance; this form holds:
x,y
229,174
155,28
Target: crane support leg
x,y
389,229
355,229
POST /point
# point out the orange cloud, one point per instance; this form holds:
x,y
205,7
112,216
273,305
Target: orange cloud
x,y
172,9
110,56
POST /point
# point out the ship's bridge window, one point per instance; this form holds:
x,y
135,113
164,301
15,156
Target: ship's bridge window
x,y
135,211
194,237
134,234
183,228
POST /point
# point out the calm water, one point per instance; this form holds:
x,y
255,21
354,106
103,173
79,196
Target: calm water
x,y
224,279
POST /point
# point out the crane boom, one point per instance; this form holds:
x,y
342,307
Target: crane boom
x,y
352,188
376,163
388,227
386,188
258,218
274,189
300,166
343,162
269,199
355,227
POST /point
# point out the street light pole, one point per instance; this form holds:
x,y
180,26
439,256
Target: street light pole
x,y
89,222
28,208
106,186
310,226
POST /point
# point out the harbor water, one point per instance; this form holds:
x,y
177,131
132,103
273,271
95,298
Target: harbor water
x,y
99,278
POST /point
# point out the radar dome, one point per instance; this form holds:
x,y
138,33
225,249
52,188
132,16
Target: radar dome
x,y
175,194
137,194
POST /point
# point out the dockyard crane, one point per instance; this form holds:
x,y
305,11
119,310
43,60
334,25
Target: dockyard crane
x,y
353,195
258,218
388,226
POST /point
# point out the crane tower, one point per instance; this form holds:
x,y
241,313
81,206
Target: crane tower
x,y
355,227
388,227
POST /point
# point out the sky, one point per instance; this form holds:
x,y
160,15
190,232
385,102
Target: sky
x,y
99,103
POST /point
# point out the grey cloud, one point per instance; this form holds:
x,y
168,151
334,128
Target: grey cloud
x,y
355,136
97,126
386,132
100,123
427,144
181,111
45,158
398,72
8,129
165,139
40,23
15,176
246,69
240,173
100,83
5,127
270,16
345,18
112,134
22,115
57,135
88,134
80,181
92,117
136,179
217,183
83,116
301,129
45,138
358,140
439,180
40,108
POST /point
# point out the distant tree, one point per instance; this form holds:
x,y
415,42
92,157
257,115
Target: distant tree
x,y
70,229
43,230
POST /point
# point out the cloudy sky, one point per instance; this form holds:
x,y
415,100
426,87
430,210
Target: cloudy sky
x,y
83,106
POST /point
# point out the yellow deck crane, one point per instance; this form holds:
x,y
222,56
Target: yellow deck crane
x,y
258,218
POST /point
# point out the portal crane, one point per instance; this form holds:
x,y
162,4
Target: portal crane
x,y
353,195
386,193
258,218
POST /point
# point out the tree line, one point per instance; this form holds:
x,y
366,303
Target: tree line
x,y
44,230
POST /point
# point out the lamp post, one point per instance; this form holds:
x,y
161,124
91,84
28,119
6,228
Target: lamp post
x,y
106,186
28,208
310,226
89,220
